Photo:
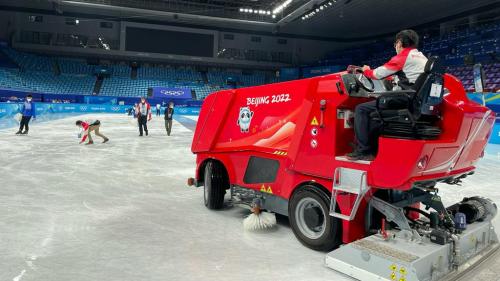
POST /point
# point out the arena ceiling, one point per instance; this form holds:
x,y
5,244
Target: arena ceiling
x,y
343,20
252,10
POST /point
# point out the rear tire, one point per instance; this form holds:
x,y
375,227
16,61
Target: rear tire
x,y
309,213
215,184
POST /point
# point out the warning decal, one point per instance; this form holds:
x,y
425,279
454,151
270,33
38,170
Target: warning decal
x,y
266,190
314,121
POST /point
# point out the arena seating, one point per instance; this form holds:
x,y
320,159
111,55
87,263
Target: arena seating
x,y
218,77
77,77
32,62
203,91
454,46
120,70
169,73
124,86
61,75
75,66
36,81
465,74
480,42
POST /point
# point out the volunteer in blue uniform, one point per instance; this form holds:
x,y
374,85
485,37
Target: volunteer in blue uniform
x,y
28,111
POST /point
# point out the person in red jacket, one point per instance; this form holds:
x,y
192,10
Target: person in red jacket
x,y
143,112
405,66
87,128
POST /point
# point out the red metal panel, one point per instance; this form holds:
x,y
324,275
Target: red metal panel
x,y
212,116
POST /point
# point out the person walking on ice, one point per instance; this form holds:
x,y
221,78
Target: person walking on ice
x,y
87,128
158,109
143,115
27,111
169,113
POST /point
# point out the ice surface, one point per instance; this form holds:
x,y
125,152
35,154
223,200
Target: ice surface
x,y
122,211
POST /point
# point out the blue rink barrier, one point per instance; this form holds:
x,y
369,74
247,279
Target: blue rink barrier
x,y
16,96
492,100
495,135
51,111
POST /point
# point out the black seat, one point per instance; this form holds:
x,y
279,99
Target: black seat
x,y
413,114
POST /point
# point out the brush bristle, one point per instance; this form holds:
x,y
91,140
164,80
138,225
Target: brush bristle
x,y
264,220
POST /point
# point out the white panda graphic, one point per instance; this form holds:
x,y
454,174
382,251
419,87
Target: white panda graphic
x,y
245,118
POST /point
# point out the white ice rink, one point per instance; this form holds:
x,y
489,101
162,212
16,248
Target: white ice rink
x,y
121,211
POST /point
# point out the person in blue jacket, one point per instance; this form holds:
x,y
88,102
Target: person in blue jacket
x,y
28,111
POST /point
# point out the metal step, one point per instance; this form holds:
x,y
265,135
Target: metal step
x,y
352,181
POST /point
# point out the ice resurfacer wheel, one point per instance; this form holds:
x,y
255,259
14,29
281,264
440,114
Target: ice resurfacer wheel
x,y
310,220
216,183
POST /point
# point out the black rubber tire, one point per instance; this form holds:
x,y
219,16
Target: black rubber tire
x,y
215,185
331,238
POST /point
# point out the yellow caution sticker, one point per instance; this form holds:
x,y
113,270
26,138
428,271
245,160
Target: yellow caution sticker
x,y
265,189
314,121
282,153
269,190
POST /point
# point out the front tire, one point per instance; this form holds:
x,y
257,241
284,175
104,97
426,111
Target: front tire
x,y
310,220
215,184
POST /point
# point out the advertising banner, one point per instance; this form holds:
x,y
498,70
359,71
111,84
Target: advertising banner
x,y
171,93
101,100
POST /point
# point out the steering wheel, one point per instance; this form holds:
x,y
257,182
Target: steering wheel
x,y
361,80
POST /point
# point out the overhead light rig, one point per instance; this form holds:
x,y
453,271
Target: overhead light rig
x,y
318,9
272,13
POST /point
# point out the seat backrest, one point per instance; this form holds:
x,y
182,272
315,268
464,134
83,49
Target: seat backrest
x,y
429,89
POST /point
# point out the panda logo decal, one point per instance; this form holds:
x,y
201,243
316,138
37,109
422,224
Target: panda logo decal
x,y
244,119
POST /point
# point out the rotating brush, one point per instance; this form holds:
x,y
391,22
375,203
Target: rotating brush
x,y
258,219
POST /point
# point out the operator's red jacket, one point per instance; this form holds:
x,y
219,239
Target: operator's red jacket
x,y
148,109
407,66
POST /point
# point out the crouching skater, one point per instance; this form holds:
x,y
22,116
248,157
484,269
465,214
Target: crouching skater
x,y
87,128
